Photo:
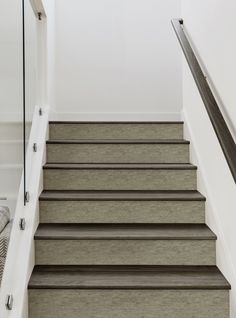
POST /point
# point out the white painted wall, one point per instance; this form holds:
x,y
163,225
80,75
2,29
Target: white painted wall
x,y
211,27
31,58
115,57
48,50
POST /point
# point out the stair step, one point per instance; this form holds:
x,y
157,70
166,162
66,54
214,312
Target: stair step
x,y
122,207
128,291
127,277
118,151
124,231
116,130
124,244
119,177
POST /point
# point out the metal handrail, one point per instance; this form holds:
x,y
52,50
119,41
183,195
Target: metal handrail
x,y
219,124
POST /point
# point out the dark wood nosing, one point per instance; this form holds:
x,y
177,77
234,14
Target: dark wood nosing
x,y
128,277
100,195
106,231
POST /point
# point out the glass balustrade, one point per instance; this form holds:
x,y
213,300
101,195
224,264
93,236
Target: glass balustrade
x,y
18,98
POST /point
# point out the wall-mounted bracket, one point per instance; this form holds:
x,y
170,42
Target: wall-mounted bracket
x,y
27,196
9,302
22,224
35,147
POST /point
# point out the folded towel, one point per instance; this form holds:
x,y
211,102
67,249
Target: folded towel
x,y
4,217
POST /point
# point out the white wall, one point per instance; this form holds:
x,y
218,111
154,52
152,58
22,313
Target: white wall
x,y
117,56
212,26
48,49
209,25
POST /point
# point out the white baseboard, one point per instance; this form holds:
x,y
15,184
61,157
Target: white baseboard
x,y
67,116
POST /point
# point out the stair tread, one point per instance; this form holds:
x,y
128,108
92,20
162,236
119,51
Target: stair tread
x,y
117,141
105,166
124,231
51,195
127,277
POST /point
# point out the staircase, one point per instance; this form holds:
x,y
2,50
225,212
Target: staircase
x,y
11,163
122,230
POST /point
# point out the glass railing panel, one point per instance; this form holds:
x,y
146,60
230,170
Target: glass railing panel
x,y
11,111
11,118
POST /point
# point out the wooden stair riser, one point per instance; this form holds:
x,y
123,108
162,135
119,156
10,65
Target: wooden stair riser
x,y
125,252
119,179
128,303
122,211
118,153
63,131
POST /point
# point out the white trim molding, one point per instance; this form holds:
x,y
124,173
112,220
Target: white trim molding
x,y
20,257
38,7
